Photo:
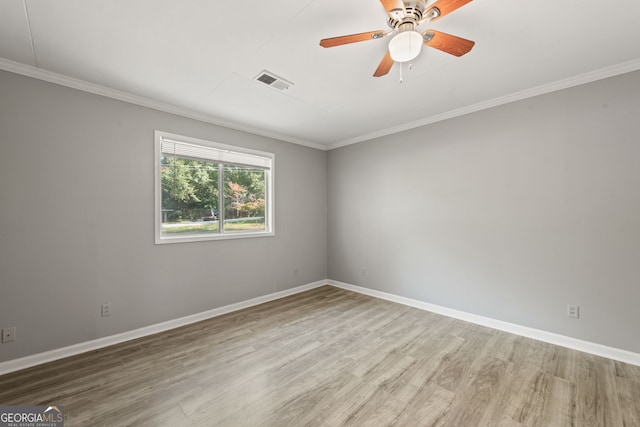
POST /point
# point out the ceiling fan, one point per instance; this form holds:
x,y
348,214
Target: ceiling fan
x,y
406,43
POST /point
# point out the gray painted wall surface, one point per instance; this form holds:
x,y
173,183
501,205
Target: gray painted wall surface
x,y
76,221
509,213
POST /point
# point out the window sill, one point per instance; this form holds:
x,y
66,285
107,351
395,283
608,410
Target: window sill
x,y
206,237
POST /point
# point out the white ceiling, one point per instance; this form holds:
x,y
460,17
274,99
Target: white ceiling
x,y
202,56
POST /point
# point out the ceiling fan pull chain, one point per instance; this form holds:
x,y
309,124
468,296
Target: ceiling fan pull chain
x,y
401,67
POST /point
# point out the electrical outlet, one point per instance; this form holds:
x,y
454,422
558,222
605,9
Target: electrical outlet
x,y
573,311
364,272
105,309
9,334
295,273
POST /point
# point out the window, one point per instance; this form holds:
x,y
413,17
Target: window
x,y
209,191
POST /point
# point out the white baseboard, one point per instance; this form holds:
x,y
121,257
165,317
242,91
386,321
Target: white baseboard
x,y
537,334
60,353
549,337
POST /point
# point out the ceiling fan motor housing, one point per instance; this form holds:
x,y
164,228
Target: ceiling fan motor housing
x,y
413,17
412,13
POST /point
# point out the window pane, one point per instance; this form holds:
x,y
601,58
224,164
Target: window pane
x,y
244,199
210,191
189,197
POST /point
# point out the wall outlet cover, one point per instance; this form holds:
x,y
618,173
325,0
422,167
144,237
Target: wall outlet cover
x,y
105,309
9,334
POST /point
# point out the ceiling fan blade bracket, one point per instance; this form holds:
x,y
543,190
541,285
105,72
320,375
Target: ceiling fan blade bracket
x,y
396,14
431,14
427,36
395,8
443,7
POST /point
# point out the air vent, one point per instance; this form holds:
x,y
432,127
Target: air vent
x,y
272,80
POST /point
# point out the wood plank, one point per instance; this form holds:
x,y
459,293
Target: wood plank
x,y
331,357
597,400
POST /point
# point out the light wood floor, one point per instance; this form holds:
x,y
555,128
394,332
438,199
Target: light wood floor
x,y
329,357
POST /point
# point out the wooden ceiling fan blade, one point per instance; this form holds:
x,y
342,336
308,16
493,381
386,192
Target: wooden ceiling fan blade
x,y
352,38
447,43
385,66
390,5
444,7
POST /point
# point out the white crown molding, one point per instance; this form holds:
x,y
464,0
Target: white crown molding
x,y
62,80
60,353
49,76
603,73
536,334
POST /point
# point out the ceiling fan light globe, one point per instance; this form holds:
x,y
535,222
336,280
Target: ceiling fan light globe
x,y
405,46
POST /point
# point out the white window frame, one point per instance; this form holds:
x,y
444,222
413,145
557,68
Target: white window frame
x,y
226,151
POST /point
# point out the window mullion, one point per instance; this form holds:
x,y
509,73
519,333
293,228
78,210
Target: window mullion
x,y
221,198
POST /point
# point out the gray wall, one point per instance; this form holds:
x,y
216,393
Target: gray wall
x,y
509,213
76,221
